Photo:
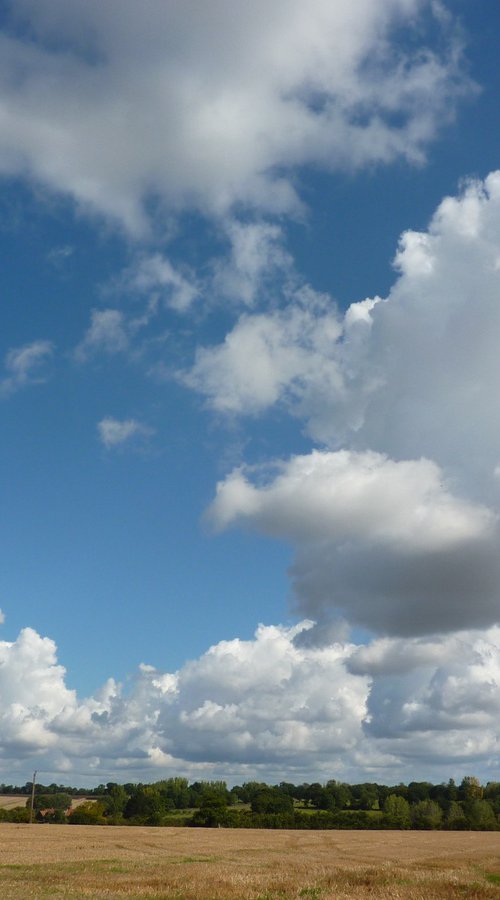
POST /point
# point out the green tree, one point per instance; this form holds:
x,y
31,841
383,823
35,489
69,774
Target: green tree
x,y
480,816
397,812
456,819
146,804
213,810
50,801
89,813
272,800
470,789
115,801
426,814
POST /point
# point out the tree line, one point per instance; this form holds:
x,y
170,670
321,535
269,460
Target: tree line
x,y
174,801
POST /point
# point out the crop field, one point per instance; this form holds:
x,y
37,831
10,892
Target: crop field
x,y
10,801
51,861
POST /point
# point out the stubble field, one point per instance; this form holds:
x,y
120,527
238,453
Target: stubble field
x,y
51,861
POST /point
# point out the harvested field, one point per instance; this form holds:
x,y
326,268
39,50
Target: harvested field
x,y
50,861
11,801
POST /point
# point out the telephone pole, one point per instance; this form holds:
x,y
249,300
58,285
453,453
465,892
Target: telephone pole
x,y
32,796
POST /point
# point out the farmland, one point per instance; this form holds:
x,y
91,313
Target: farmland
x,y
12,801
15,801
44,861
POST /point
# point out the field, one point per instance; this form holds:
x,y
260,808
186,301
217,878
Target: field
x,y
10,801
52,861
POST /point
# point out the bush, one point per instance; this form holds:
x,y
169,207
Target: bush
x,y
89,813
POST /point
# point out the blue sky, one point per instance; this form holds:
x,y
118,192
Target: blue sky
x,y
249,376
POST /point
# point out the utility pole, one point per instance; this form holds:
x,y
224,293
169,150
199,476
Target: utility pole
x,y
32,796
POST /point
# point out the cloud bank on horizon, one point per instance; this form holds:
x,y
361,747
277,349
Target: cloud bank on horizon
x,y
255,709
138,121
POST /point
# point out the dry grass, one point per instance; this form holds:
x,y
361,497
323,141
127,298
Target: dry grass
x,y
50,861
11,801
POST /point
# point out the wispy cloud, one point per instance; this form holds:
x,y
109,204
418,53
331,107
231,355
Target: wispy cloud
x,y
107,333
27,365
115,432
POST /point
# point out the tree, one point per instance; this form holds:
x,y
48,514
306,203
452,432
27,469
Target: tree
x,y
368,797
427,814
339,794
89,813
456,819
212,812
146,804
272,800
480,816
115,801
470,789
418,790
50,801
397,812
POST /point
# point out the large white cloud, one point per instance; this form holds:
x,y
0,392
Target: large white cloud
x,y
410,375
264,702
212,105
270,708
386,544
433,699
399,532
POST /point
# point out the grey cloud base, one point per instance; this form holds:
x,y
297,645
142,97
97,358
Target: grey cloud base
x,y
380,543
398,530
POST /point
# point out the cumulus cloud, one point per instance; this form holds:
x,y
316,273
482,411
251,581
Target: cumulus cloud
x,y
385,543
116,432
271,356
409,375
432,344
262,702
26,365
203,107
398,532
437,697
269,707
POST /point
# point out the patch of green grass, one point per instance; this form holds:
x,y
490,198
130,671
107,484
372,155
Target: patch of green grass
x,y
313,892
197,859
492,878
272,895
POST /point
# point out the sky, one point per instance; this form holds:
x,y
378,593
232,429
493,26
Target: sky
x,y
249,366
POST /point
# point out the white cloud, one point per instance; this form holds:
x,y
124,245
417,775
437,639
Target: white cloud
x,y
26,365
256,256
115,432
409,375
401,537
435,699
214,107
107,333
156,275
267,708
271,356
243,703
384,543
